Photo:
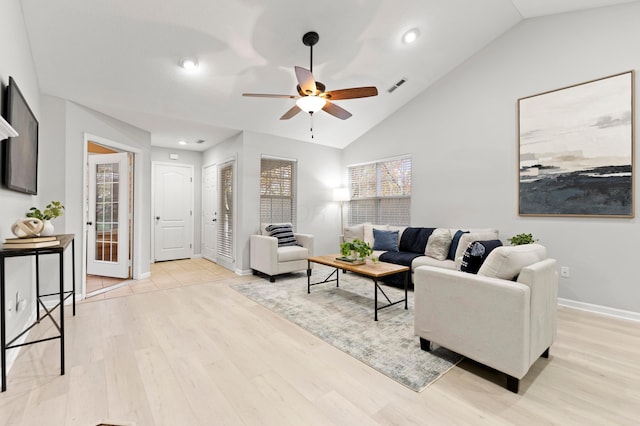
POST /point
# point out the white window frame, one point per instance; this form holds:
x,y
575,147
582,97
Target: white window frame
x,y
371,202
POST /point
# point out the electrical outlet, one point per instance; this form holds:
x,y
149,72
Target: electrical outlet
x,y
564,272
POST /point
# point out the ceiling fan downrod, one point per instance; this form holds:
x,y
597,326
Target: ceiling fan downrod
x,y
310,39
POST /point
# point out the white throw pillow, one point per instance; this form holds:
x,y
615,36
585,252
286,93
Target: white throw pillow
x,y
506,262
368,232
438,244
353,232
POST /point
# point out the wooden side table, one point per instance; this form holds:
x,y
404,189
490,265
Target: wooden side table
x,y
65,240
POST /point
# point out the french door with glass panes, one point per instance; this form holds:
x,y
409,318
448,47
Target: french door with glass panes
x,y
108,215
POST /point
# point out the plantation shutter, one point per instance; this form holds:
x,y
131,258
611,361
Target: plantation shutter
x,y
225,219
380,192
278,190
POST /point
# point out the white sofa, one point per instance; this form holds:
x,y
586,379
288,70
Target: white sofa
x,y
504,324
268,258
364,232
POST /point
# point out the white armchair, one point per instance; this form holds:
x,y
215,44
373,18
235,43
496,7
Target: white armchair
x,y
504,324
268,258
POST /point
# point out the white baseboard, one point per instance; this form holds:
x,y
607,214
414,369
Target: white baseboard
x,y
601,310
197,256
243,272
143,276
12,354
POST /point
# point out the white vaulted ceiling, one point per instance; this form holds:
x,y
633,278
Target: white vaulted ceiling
x,y
121,57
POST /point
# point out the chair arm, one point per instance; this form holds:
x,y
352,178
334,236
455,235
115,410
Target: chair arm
x,y
306,241
264,254
486,319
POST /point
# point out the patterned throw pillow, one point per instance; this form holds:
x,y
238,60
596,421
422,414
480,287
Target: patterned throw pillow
x,y
476,254
283,232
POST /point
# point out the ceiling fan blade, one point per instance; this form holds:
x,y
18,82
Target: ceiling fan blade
x,y
336,111
265,95
293,111
306,81
354,92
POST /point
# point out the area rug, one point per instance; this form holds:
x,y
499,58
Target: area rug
x,y
343,317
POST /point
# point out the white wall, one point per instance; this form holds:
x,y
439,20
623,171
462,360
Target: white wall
x,y
462,133
61,167
16,61
319,171
191,158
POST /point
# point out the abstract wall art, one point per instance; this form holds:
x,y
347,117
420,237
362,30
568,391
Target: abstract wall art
x,y
576,150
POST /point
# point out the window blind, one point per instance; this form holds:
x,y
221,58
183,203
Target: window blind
x,y
225,219
380,192
278,191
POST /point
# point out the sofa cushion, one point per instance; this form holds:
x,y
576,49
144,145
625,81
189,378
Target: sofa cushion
x,y
368,232
467,239
454,244
283,232
385,240
438,244
430,261
414,240
355,232
506,262
476,253
292,253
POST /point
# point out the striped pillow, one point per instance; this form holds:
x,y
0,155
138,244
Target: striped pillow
x,y
283,232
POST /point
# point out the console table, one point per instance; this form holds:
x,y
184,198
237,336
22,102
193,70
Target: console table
x,y
65,240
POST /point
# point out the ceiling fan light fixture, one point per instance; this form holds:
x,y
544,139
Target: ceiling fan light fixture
x,y
189,64
410,36
311,104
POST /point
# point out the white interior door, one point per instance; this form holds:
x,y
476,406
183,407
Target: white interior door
x,y
209,212
108,223
172,211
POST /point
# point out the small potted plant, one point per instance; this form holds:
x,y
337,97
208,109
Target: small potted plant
x,y
51,211
356,249
520,239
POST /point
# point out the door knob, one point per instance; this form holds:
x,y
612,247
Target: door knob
x,y
214,220
89,223
157,217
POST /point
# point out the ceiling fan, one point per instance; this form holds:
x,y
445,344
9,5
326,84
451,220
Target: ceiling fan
x,y
312,96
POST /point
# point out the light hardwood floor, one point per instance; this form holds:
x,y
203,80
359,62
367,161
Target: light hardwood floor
x,y
195,352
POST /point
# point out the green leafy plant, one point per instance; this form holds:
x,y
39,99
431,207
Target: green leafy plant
x,y
362,248
520,239
51,211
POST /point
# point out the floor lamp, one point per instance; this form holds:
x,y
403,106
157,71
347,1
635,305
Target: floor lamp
x,y
341,195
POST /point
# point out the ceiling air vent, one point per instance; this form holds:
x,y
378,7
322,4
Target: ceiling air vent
x,y
200,141
398,84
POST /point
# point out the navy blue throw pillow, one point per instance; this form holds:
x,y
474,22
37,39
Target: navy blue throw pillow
x,y
476,254
454,244
385,240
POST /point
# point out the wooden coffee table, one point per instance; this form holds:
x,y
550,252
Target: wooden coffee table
x,y
369,269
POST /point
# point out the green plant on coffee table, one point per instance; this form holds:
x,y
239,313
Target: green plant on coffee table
x,y
51,211
362,248
520,239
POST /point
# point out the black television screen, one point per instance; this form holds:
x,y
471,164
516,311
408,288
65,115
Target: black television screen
x,y
20,159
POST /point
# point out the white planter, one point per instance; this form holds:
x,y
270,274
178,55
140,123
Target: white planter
x,y
48,229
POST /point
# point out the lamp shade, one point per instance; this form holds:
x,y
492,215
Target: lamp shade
x,y
341,194
311,103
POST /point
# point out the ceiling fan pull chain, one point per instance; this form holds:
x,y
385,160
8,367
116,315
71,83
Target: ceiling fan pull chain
x,y
311,118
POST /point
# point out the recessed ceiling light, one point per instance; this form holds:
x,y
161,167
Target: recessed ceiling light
x,y
410,36
182,142
189,64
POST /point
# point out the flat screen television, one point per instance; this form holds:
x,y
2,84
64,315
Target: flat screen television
x,y
20,153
